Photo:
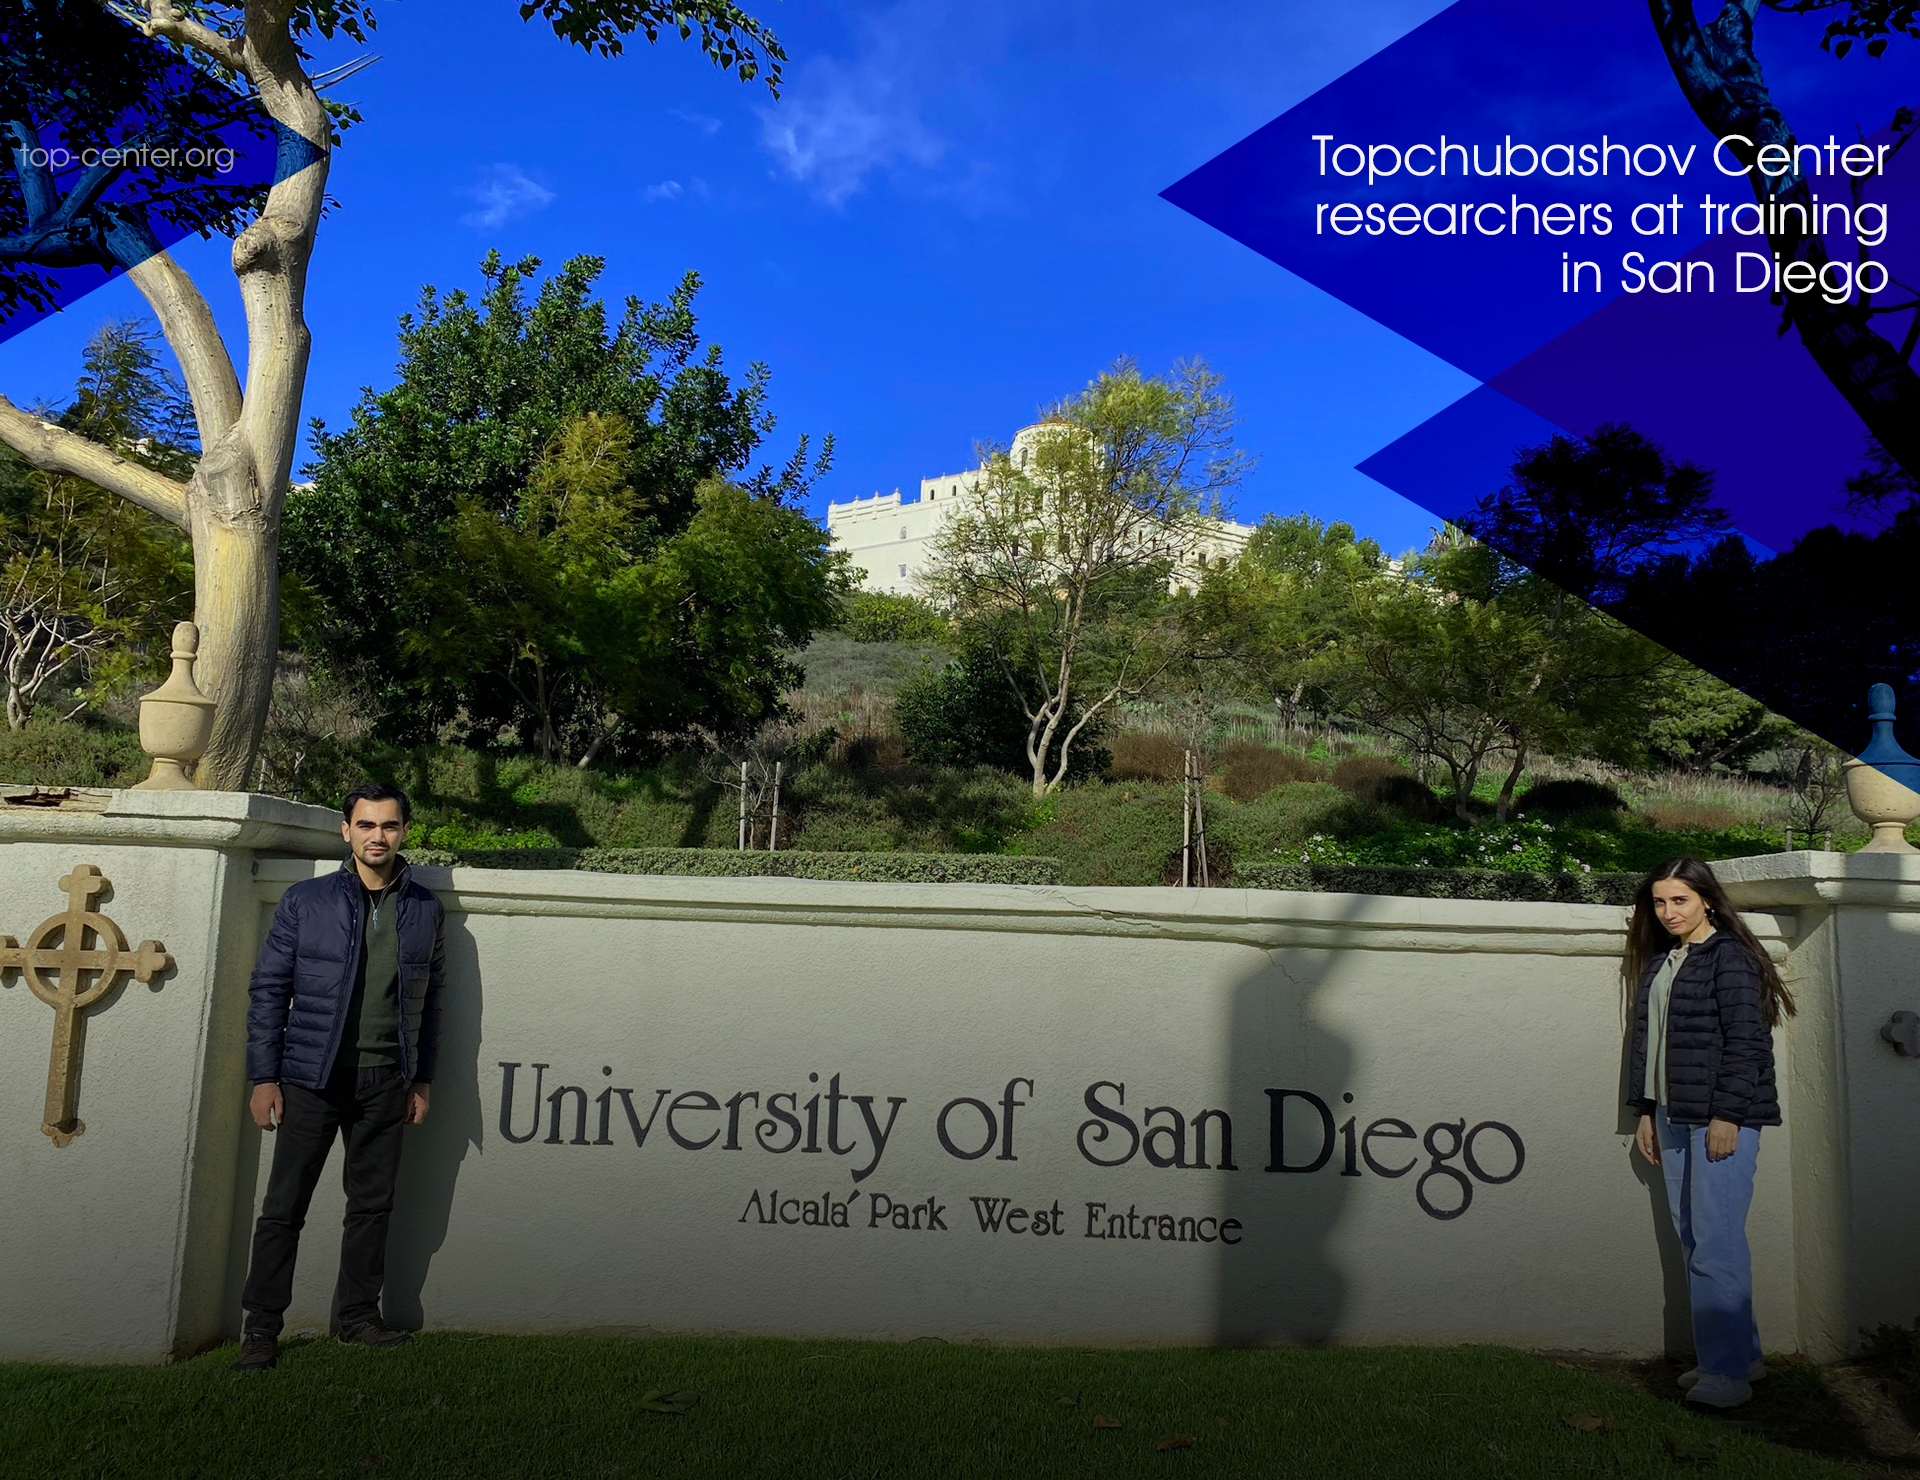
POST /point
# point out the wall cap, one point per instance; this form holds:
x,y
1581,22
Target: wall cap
x,y
1260,918
176,819
1887,881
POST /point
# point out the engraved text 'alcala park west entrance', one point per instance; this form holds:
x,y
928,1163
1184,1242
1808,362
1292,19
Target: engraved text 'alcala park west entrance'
x,y
72,975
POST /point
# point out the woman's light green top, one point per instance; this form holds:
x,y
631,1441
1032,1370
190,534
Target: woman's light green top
x,y
1655,1088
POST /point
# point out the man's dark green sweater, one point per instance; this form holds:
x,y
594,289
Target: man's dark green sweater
x,y
371,1037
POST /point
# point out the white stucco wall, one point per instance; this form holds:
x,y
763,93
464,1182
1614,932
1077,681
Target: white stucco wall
x,y
115,1246
1423,1011
130,1244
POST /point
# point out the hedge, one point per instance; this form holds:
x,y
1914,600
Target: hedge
x,y
876,868
1436,883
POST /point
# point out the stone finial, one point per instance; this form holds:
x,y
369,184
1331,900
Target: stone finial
x,y
1883,781
176,719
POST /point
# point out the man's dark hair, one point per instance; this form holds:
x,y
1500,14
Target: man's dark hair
x,y
376,791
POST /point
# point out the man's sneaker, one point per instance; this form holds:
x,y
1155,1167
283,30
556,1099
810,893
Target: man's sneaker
x,y
372,1332
1716,1391
258,1352
1754,1373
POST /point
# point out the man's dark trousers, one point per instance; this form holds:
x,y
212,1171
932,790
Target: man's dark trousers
x,y
368,1108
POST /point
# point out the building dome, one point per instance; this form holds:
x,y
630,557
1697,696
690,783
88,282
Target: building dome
x,y
1030,437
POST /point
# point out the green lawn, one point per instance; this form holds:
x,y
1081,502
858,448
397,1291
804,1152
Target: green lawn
x,y
453,1405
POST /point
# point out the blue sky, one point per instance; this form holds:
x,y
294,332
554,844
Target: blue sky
x,y
950,218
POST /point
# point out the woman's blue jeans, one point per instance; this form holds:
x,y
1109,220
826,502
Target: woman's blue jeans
x,y
1709,1201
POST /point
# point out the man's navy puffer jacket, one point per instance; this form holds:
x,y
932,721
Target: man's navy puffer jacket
x,y
303,984
1719,1048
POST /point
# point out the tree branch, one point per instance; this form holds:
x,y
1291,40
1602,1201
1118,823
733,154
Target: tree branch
x,y
188,324
60,451
165,20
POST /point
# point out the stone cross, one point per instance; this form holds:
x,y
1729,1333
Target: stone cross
x,y
74,975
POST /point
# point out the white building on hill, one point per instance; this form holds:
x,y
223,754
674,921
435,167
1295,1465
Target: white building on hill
x,y
890,537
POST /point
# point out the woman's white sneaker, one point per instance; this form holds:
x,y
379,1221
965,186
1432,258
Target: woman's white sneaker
x,y
1693,1374
1716,1391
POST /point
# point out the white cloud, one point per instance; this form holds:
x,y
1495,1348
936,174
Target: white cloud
x,y
504,193
701,121
665,190
840,121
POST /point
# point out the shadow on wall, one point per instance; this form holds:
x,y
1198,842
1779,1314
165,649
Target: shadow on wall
x,y
1286,1071
1676,1309
436,1148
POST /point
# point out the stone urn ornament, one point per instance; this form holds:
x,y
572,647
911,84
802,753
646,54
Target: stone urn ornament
x,y
1883,781
176,719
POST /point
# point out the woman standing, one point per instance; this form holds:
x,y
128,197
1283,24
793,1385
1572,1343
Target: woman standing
x,y
1703,999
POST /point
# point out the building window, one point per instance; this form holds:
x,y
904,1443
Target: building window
x,y
903,572
903,531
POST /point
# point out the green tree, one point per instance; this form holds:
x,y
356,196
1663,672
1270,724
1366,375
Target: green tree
x,y
555,450
89,584
92,75
1699,722
574,624
1057,560
1588,512
1276,610
1473,657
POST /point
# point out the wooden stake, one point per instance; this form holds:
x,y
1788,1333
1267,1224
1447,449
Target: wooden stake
x,y
773,829
743,806
1200,822
1186,817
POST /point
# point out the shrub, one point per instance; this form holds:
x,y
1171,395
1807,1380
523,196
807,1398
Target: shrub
x,y
1570,795
1406,794
1138,756
965,715
1254,770
59,752
1351,773
1691,816
871,752
878,616
462,834
1113,834
1611,888
873,868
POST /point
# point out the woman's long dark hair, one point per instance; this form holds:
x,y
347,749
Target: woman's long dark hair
x,y
1647,937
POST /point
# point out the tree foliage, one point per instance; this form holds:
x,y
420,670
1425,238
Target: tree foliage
x,y
1587,512
1719,73
1273,613
89,585
1058,558
198,63
533,534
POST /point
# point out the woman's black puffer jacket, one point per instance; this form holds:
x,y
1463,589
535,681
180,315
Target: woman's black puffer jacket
x,y
1719,1047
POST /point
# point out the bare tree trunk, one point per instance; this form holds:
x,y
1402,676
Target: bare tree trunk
x,y
1504,806
237,608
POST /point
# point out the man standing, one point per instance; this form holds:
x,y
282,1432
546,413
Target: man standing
x,y
342,1025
